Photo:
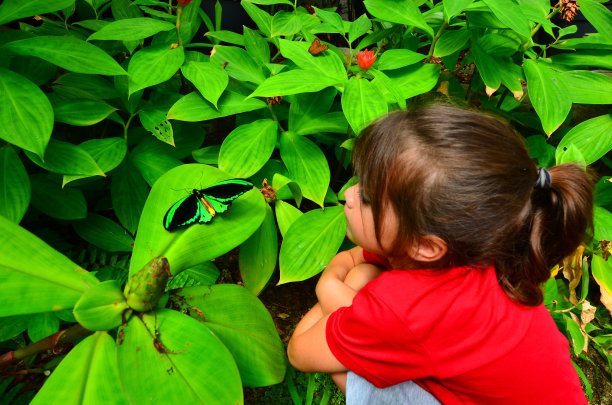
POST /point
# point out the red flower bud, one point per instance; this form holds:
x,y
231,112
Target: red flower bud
x,y
183,2
365,59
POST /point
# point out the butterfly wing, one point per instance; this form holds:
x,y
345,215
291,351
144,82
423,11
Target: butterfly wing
x,y
316,47
221,195
186,211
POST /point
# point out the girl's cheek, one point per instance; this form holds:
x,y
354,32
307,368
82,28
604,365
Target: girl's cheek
x,y
349,196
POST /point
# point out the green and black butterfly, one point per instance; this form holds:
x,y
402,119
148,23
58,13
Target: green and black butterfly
x,y
201,206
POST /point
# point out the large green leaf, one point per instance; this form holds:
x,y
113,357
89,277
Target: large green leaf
x,y
153,65
598,15
509,13
602,271
130,29
108,153
285,23
451,41
307,165
56,201
454,7
34,276
15,191
104,233
42,325
193,107
310,243
592,137
244,326
415,79
79,85
588,87
548,94
25,112
262,19
286,214
294,82
248,147
198,243
153,164
399,58
398,11
81,112
239,65
256,45
586,58
15,9
210,79
258,254
362,103
128,193
69,53
101,307
88,375
327,63
189,365
602,222
66,158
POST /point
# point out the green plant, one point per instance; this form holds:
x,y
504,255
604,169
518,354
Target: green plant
x,y
102,100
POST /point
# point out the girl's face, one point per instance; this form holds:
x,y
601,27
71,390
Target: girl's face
x,y
360,227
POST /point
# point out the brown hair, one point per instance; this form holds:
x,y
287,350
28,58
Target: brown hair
x,y
467,178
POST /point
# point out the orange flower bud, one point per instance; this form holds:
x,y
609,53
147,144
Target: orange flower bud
x,y
365,59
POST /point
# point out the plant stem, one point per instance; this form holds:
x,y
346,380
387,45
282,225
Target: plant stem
x,y
435,39
48,343
126,126
179,13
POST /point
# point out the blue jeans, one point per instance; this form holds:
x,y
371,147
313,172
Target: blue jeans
x,y
360,392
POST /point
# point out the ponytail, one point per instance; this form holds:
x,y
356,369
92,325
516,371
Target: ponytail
x,y
557,218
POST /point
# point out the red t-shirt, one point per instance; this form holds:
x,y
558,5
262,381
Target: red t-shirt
x,y
458,335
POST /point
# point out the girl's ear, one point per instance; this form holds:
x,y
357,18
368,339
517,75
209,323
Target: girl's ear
x,y
430,249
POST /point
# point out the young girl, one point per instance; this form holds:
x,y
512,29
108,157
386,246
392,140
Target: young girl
x,y
456,229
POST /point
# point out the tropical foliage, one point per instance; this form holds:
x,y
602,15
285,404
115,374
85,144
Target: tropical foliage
x,y
114,110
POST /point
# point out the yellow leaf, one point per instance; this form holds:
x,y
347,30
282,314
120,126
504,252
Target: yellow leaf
x,y
572,271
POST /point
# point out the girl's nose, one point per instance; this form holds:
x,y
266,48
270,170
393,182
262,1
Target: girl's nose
x,y
350,195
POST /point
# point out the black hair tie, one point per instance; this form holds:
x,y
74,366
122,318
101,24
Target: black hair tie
x,y
544,180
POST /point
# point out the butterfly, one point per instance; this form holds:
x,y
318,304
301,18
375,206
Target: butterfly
x,y
316,47
201,206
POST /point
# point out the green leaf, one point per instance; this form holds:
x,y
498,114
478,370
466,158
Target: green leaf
x,y
12,326
359,27
284,23
210,79
602,221
101,306
203,274
593,138
128,193
576,336
362,103
108,154
130,29
588,87
570,154
245,327
310,243
603,192
258,254
598,15
55,201
260,17
155,122
66,158
385,85
398,11
240,65
451,41
248,147
42,325
208,155
198,243
227,36
294,82
454,7
90,371
399,58
326,63
203,372
15,191
78,85
256,46
415,79
286,214
509,13
548,94
15,9
602,272
25,112
193,107
307,165
81,112
153,65
585,58
36,277
153,164
69,53
104,233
